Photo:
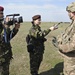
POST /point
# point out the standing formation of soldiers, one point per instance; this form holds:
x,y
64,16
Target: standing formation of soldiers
x,y
35,43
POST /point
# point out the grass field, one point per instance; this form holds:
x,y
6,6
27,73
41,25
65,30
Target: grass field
x,y
52,63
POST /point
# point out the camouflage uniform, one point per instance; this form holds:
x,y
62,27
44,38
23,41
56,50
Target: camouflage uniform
x,y
69,56
5,50
38,41
66,45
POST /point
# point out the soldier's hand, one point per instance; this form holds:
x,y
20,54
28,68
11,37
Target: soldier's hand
x,y
7,19
17,25
53,28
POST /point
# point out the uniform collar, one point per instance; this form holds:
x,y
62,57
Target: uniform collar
x,y
36,26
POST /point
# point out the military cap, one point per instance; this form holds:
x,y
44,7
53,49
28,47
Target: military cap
x,y
1,8
35,17
71,7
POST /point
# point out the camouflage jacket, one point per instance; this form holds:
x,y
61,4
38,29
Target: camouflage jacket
x,y
38,35
66,41
5,48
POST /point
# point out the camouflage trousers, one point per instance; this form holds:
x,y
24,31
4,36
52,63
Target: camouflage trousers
x,y
69,66
4,68
35,61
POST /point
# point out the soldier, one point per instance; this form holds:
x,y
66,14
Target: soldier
x,y
36,44
5,46
66,43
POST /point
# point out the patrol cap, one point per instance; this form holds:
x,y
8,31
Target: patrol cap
x,y
71,7
1,8
35,17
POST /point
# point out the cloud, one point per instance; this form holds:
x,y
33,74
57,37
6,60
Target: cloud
x,y
46,7
49,12
62,0
20,6
18,1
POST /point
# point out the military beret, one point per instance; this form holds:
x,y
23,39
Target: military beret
x,y
35,17
71,7
1,8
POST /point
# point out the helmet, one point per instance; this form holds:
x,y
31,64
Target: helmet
x,y
71,7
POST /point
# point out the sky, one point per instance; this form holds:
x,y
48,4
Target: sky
x,y
50,10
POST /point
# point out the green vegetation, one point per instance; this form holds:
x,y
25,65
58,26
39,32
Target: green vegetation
x,y
52,61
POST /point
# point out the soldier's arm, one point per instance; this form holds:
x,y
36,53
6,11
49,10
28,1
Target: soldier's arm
x,y
15,30
11,33
69,47
72,44
46,32
1,28
39,34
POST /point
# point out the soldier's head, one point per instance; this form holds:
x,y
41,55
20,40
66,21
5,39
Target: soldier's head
x,y
71,10
1,13
36,19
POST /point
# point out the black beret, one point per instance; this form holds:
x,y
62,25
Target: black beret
x,y
1,8
35,17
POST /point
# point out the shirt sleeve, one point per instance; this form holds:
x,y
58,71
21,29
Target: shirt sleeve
x,y
11,33
46,32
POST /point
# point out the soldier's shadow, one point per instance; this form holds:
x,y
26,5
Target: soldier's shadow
x,y
57,70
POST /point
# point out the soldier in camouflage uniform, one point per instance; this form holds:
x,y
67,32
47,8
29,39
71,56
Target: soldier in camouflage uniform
x,y
5,47
66,43
36,44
